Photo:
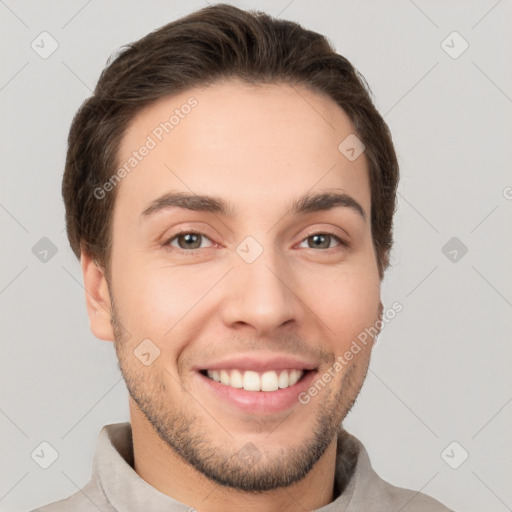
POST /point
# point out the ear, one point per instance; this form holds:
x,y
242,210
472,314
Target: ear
x,y
97,298
379,328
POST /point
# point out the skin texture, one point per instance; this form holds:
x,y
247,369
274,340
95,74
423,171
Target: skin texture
x,y
259,147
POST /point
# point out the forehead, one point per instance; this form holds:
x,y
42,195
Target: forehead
x,y
239,140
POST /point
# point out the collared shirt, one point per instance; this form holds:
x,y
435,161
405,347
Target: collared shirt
x,y
116,487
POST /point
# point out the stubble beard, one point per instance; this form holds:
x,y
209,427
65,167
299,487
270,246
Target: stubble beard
x,y
250,469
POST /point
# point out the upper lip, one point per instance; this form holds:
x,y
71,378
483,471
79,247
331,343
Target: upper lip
x,y
259,364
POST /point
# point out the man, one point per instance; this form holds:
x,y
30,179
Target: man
x,y
230,190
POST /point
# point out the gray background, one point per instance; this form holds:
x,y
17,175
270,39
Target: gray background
x,y
441,369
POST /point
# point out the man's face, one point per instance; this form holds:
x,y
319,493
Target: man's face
x,y
271,287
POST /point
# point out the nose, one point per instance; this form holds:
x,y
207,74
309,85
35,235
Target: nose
x,y
261,295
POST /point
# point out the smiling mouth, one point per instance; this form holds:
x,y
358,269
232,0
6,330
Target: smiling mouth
x,y
257,381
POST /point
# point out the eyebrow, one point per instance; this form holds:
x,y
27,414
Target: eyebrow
x,y
307,203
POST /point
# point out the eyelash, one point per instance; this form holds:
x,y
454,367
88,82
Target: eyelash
x,y
189,252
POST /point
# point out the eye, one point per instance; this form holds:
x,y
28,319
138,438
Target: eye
x,y
187,240
323,241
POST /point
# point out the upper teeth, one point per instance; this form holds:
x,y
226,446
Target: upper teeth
x,y
253,381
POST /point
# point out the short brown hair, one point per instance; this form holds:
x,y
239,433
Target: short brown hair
x,y
215,43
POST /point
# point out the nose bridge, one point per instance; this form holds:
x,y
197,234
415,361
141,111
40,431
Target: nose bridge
x,y
260,293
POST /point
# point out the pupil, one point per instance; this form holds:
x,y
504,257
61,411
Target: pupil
x,y
191,237
320,239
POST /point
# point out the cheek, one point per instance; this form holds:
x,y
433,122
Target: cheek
x,y
153,300
347,304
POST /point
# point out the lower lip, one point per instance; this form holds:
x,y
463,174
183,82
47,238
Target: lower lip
x,y
260,402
